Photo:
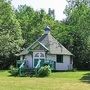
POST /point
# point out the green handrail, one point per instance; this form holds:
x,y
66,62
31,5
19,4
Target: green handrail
x,y
38,64
21,68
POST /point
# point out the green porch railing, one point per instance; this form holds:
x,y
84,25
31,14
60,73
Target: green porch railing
x,y
19,62
20,65
22,69
41,63
51,63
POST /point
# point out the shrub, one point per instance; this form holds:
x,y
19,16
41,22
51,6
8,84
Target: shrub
x,y
74,69
44,71
14,71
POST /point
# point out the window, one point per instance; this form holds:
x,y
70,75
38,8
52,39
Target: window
x,y
41,55
37,55
59,58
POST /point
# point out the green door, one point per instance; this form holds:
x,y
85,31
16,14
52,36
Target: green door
x,y
42,62
36,62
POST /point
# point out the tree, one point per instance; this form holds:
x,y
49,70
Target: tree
x,y
75,3
78,21
10,31
32,23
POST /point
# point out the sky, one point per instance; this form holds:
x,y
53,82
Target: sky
x,y
57,5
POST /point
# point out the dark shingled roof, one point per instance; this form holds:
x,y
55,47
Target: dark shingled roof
x,y
53,45
50,44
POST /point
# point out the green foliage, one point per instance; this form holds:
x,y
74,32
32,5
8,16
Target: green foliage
x,y
10,34
79,32
44,71
32,23
14,71
10,31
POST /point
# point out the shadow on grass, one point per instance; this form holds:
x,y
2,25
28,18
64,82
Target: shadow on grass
x,y
12,75
3,70
86,78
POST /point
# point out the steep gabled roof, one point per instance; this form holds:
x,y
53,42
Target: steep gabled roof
x,y
53,45
49,43
35,46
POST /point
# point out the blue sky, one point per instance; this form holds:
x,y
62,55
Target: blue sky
x,y
58,5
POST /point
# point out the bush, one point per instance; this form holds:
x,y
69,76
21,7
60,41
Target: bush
x,y
44,71
14,71
74,69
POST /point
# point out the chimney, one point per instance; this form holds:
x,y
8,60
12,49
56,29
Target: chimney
x,y
47,30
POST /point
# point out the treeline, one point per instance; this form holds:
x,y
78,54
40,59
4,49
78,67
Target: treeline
x,y
19,28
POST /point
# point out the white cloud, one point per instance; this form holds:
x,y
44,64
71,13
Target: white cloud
x,y
58,5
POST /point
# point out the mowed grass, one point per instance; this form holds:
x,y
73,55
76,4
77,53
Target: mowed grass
x,y
79,80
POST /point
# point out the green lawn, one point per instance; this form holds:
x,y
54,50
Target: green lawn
x,y
57,81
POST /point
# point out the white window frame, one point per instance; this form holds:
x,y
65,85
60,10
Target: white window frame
x,y
34,53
